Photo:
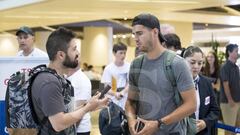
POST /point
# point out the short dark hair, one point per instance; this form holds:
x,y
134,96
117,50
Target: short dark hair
x,y
172,40
119,46
230,48
191,50
59,41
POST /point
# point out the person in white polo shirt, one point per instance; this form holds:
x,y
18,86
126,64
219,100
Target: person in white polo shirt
x,y
25,37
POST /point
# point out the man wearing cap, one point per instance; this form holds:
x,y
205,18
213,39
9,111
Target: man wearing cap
x,y
25,37
151,97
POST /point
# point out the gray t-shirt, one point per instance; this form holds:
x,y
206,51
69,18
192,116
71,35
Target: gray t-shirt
x,y
230,72
48,99
156,98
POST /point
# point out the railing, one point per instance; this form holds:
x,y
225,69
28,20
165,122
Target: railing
x,y
228,128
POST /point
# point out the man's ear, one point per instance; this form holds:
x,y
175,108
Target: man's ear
x,y
156,31
33,39
228,53
61,55
164,44
114,53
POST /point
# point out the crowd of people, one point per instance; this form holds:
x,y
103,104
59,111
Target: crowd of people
x,y
208,90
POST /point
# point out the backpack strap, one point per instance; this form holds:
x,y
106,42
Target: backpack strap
x,y
137,65
33,74
168,67
168,70
189,121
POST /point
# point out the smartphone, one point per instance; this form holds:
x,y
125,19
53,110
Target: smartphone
x,y
139,126
104,91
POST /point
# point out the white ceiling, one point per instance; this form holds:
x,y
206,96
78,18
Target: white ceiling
x,y
54,12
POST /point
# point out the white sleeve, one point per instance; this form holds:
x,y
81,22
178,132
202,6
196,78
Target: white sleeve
x,y
106,77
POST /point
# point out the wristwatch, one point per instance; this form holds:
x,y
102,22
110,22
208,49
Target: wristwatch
x,y
160,123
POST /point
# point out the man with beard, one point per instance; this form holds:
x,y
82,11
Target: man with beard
x,y
151,95
25,37
51,96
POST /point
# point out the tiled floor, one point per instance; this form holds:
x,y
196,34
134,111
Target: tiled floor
x,y
95,130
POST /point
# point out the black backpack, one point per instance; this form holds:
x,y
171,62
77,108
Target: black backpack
x,y
113,121
20,115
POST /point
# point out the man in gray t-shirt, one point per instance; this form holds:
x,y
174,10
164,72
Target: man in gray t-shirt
x,y
153,98
51,92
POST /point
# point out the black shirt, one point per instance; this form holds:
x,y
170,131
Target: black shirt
x,y
230,73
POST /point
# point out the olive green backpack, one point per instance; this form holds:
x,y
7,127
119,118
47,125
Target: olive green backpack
x,y
168,59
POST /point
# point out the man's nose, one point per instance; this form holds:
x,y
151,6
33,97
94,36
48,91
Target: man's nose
x,y
135,38
196,65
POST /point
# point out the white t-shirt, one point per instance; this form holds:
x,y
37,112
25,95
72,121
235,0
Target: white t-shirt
x,y
82,91
198,100
121,75
35,53
238,63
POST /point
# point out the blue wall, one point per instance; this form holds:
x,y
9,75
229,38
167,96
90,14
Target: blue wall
x,y
2,118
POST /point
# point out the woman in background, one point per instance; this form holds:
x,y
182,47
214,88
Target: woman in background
x,y
207,112
211,69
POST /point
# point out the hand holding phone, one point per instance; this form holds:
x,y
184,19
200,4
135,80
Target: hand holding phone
x,y
139,126
104,91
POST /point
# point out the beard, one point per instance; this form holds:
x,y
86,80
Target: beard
x,y
146,46
70,63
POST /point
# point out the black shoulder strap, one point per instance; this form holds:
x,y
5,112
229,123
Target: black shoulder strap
x,y
33,74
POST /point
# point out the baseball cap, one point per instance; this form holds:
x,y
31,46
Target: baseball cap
x,y
26,30
150,21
